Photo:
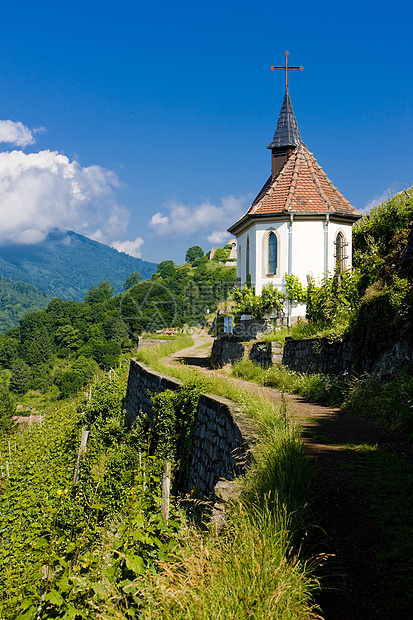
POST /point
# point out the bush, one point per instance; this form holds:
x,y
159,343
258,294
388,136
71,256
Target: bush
x,y
173,428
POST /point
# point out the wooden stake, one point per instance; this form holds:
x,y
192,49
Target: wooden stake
x,y
166,485
82,451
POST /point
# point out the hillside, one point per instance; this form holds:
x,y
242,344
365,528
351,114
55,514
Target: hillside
x,y
67,264
16,300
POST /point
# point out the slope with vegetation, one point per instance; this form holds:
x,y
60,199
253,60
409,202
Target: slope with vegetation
x,y
55,351
101,548
16,300
67,264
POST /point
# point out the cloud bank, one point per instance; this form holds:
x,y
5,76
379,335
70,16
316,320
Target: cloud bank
x,y
17,133
43,191
206,220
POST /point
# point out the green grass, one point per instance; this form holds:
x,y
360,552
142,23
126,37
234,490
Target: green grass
x,y
388,402
257,567
326,389
313,329
241,574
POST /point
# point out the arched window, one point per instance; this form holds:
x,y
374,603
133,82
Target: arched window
x,y
340,252
248,256
272,253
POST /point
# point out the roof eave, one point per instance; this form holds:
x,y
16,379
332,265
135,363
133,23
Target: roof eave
x,y
285,213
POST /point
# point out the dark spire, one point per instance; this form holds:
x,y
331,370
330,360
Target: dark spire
x,y
287,133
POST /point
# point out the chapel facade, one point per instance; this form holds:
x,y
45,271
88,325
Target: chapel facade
x,y
299,223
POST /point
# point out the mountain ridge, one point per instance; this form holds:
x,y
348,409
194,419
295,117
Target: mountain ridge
x,y
66,264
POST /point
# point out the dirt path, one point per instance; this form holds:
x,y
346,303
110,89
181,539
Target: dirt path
x,y
355,583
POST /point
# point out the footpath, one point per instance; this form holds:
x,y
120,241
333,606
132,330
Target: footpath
x,y
355,582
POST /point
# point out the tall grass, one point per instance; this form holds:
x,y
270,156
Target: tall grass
x,y
256,567
313,329
331,390
388,402
247,572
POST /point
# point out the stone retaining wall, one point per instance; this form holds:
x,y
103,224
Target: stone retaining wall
x,y
313,355
224,437
310,355
266,353
227,351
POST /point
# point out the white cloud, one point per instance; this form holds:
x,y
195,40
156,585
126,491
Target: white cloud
x,y
43,191
129,247
17,133
203,219
157,219
218,237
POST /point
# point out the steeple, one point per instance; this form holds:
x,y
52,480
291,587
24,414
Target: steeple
x,y
287,132
287,135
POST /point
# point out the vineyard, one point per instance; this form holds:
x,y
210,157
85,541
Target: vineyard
x,y
67,547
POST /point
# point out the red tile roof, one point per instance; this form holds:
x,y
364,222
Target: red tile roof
x,y
300,187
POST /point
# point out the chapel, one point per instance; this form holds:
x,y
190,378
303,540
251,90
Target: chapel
x,y
299,223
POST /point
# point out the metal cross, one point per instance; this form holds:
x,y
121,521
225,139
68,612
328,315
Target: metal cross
x,y
286,69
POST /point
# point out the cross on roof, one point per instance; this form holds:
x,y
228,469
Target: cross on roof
x,y
286,69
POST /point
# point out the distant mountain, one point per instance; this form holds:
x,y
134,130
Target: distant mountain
x,y
16,300
67,264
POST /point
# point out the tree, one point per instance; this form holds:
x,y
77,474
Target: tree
x,y
166,269
21,378
193,252
100,294
7,409
132,280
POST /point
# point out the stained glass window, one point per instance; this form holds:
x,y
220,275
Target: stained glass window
x,y
272,253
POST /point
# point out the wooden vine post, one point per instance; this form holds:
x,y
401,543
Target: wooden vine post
x,y
82,451
166,486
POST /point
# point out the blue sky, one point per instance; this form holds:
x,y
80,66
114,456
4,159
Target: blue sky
x,y
145,125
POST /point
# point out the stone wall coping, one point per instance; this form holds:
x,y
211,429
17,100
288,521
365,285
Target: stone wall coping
x,y
151,371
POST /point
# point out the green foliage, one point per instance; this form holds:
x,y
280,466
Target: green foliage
x,y
66,548
107,400
295,290
248,302
380,234
7,409
132,280
193,253
86,335
21,377
173,427
389,402
176,295
16,300
222,254
337,295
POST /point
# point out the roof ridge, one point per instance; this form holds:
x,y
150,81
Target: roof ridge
x,y
316,180
294,179
335,189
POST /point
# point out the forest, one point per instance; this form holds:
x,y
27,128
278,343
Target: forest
x,y
58,349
